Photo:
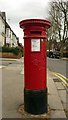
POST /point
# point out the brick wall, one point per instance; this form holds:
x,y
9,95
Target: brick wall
x,y
10,55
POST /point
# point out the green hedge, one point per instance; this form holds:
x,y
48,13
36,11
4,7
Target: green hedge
x,y
65,54
15,50
0,49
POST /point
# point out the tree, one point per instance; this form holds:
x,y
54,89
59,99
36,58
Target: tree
x,y
58,15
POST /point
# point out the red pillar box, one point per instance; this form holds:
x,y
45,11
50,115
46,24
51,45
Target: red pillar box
x,y
35,75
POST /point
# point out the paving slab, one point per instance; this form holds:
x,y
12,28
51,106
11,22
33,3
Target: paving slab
x,y
59,85
12,92
62,94
58,114
54,102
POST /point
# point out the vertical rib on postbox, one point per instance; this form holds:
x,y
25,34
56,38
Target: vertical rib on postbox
x,y
35,75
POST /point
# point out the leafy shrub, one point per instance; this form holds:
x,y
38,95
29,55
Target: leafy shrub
x,y
65,54
0,49
16,50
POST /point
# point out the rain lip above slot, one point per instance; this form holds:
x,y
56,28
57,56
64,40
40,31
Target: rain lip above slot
x,y
35,32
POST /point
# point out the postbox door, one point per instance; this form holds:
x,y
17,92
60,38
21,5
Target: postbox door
x,y
35,63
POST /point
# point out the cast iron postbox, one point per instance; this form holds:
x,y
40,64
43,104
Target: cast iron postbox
x,y
35,75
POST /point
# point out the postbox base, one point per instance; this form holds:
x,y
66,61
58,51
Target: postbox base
x,y
35,101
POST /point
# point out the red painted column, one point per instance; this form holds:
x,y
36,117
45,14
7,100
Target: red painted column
x,y
35,75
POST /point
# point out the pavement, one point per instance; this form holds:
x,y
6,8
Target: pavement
x,y
12,85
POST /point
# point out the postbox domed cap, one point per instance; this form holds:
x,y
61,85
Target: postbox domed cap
x,y
37,22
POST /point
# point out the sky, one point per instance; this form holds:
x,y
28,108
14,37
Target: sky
x,y
18,10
